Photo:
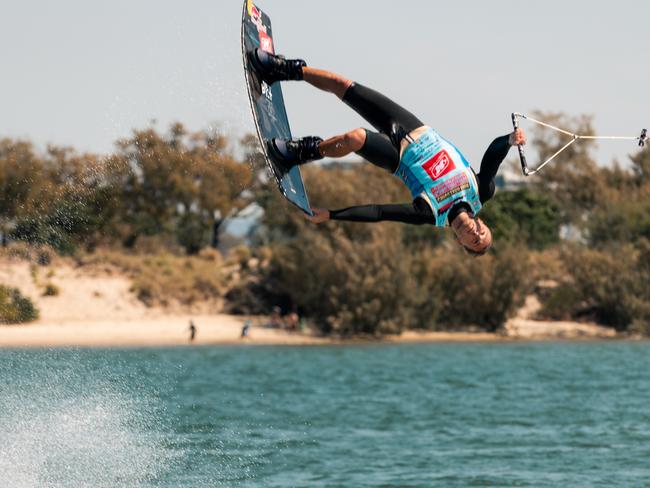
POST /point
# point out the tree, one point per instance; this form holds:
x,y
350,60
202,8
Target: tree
x,y
573,179
20,168
524,217
178,183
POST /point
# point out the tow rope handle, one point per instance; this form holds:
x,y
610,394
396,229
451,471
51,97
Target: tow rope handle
x,y
642,139
522,154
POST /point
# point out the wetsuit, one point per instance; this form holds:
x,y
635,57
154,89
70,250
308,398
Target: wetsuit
x,y
383,149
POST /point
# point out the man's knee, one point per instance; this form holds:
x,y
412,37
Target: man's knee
x,y
355,139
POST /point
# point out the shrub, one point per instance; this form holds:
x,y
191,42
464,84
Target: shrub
x,y
15,308
348,287
51,290
524,216
481,292
38,230
376,286
166,279
563,302
610,286
627,220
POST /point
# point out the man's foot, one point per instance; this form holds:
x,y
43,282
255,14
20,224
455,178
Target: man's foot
x,y
272,68
288,153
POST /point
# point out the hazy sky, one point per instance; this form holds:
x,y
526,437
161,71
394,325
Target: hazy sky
x,y
85,72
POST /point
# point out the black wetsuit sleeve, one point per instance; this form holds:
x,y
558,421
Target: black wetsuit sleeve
x,y
409,213
492,159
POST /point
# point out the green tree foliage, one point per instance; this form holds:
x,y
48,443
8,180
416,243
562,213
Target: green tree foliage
x,y
20,171
623,219
609,286
348,286
524,217
63,197
609,281
481,292
177,183
573,179
623,214
641,167
174,185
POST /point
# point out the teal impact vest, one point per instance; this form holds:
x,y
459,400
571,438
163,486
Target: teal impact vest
x,y
433,169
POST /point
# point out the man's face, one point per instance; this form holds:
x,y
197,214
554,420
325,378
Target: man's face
x,y
474,235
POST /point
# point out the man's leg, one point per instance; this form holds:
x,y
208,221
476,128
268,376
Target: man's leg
x,y
371,146
326,81
385,115
344,144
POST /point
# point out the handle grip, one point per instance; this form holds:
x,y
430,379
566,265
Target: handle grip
x,y
522,154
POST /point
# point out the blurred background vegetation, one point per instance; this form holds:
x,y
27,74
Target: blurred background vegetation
x,y
577,236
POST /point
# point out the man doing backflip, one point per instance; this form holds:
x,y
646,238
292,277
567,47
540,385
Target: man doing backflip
x,y
445,189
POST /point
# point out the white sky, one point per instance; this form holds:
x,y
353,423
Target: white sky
x,y
84,72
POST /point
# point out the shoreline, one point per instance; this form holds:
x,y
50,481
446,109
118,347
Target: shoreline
x,y
95,307
173,330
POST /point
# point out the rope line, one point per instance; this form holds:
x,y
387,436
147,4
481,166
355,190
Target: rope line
x,y
574,137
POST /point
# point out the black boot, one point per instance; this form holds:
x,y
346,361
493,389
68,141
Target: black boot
x,y
287,153
272,68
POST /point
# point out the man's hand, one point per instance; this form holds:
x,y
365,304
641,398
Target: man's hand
x,y
517,138
320,215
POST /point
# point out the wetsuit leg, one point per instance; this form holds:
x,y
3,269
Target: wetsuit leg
x,y
379,151
385,115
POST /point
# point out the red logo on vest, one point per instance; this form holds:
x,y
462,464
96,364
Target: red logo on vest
x,y
439,165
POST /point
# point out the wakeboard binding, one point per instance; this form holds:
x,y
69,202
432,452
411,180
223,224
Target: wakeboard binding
x,y
287,153
272,68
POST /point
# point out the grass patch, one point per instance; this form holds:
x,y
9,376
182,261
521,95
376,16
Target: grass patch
x,y
166,279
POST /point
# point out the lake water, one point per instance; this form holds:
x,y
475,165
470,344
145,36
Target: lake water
x,y
448,415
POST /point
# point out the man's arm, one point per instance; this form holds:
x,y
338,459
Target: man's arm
x,y
492,159
408,213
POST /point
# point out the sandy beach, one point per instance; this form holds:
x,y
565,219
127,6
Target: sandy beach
x,y
95,308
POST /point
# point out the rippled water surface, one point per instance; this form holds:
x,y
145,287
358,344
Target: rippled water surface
x,y
373,416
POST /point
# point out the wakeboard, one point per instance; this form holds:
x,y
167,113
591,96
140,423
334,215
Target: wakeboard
x,y
267,104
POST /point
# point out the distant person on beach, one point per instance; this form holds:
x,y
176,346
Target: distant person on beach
x,y
192,331
275,321
292,319
246,328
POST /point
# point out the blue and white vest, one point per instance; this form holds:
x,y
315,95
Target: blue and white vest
x,y
435,170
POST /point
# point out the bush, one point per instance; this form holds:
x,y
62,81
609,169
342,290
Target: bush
x,y
36,230
348,287
192,232
14,308
51,290
610,286
166,279
523,216
563,302
627,220
462,291
376,286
